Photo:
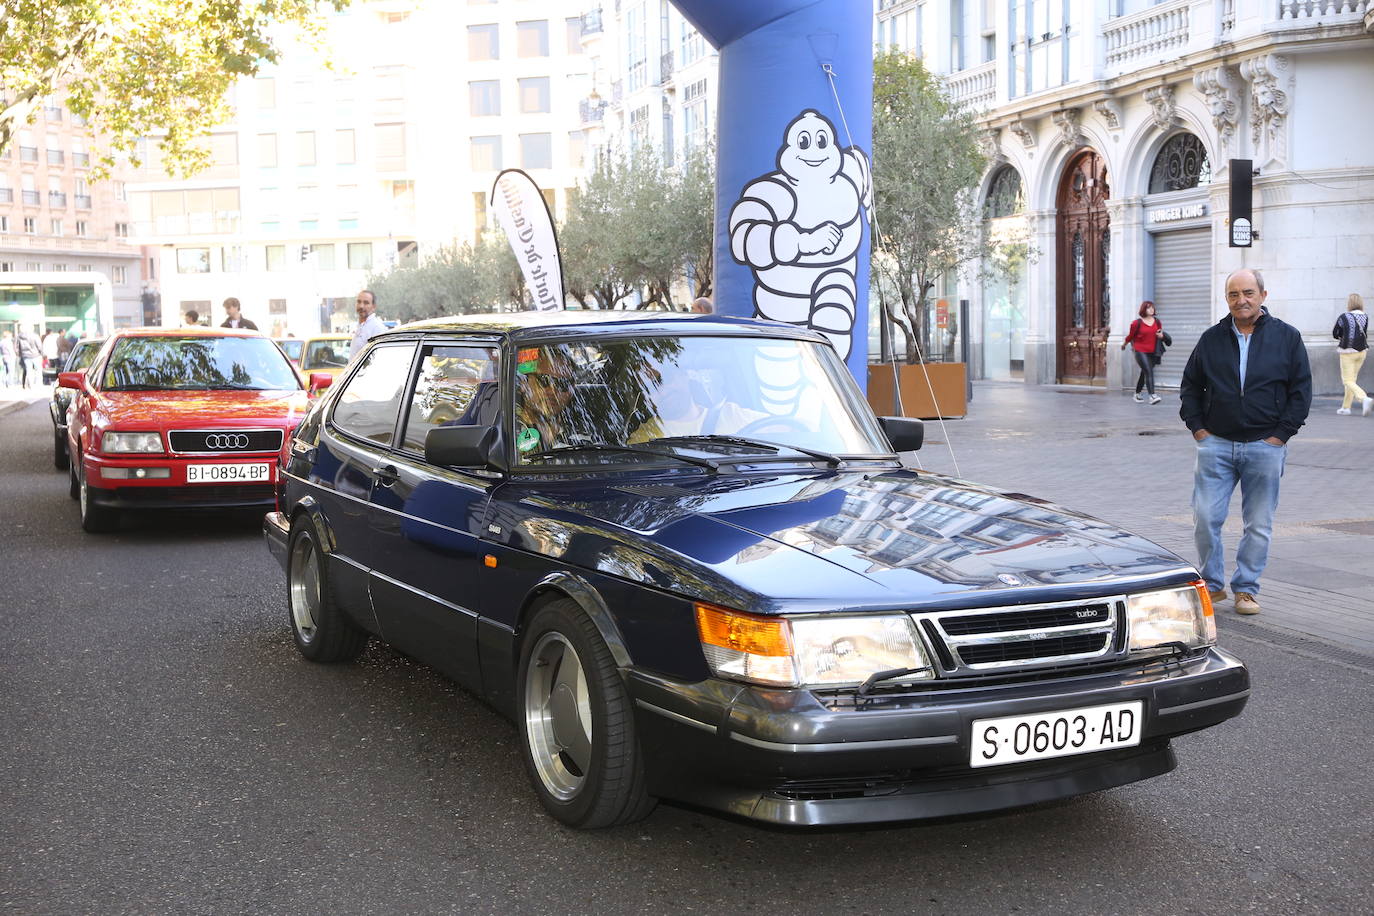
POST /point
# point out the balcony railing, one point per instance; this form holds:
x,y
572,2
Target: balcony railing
x,y
57,198
591,112
591,22
31,197
976,87
55,157
81,159
28,154
1326,10
1151,33
83,201
52,113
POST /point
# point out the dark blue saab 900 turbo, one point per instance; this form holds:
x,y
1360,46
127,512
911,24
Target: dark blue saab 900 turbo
x,y
682,554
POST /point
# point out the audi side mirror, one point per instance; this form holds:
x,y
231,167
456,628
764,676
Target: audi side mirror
x,y
905,433
75,380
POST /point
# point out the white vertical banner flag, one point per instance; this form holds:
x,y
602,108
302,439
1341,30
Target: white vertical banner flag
x,y
524,215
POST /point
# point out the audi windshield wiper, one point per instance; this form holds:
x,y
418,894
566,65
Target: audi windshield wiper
x,y
635,450
833,461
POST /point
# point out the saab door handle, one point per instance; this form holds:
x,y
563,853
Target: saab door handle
x,y
386,475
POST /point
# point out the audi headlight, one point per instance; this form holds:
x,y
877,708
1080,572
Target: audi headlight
x,y
809,651
1176,615
124,443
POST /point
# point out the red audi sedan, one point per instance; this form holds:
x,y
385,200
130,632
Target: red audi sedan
x,y
179,417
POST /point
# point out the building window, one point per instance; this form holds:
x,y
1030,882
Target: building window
x,y
193,260
486,154
267,92
83,268
574,30
4,224
484,42
324,256
694,116
56,227
1181,164
30,225
305,147
536,151
577,148
636,50
121,230
231,259
391,146
359,255
479,213
121,191
276,306
534,95
82,229
224,149
639,127
32,265
60,268
6,267
121,275
276,257
1004,194
532,38
345,147
484,98
267,150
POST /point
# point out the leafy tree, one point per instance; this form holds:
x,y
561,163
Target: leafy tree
x,y
455,280
638,224
137,67
927,166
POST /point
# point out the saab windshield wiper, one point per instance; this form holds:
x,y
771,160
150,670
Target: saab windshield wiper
x,y
833,461
607,447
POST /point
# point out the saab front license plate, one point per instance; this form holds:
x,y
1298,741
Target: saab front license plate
x,y
229,473
1016,739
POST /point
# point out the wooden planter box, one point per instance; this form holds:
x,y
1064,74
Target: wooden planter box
x,y
947,379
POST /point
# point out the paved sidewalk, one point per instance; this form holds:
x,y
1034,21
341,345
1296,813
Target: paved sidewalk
x,y
1102,453
12,399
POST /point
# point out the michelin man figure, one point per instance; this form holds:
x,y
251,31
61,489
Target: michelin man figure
x,y
799,230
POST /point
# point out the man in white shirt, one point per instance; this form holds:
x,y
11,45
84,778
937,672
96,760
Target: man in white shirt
x,y
369,325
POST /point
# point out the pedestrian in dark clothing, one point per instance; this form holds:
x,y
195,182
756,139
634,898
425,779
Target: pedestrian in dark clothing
x,y
235,312
1246,391
30,356
1352,346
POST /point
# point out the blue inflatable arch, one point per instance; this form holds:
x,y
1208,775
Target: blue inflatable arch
x,y
794,183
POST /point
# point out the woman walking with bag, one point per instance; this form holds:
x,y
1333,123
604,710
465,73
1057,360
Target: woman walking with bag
x,y
1148,339
1351,332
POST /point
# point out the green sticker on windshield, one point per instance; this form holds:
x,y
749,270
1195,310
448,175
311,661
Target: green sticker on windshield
x,y
528,440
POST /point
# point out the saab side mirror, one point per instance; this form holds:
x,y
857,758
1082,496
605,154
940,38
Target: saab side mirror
x,y
461,446
319,381
905,433
75,380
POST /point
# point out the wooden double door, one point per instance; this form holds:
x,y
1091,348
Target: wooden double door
x,y
1083,236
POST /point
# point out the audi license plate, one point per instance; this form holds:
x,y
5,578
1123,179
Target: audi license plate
x,y
1016,739
229,473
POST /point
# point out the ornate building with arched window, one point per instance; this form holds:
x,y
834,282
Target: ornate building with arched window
x,y
1110,128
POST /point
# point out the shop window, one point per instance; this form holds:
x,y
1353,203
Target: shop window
x,y
193,260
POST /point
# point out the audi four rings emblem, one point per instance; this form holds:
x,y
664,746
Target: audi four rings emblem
x,y
226,440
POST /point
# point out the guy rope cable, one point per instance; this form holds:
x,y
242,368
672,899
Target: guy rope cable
x,y
915,337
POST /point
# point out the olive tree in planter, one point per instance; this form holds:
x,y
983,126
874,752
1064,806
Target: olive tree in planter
x,y
927,166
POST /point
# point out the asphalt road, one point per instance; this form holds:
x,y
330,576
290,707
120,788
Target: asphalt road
x,y
163,749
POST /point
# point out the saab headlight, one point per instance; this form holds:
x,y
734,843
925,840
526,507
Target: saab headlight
x,y
1181,615
809,651
115,443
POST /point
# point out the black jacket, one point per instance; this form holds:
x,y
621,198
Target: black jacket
x,y
1278,382
244,324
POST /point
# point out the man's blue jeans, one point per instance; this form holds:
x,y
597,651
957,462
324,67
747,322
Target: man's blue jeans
x,y
1221,464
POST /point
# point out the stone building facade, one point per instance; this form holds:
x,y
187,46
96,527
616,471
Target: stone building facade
x,y
1110,126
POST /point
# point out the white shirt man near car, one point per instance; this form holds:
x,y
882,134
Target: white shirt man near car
x,y
369,325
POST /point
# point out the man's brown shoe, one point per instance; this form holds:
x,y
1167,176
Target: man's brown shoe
x,y
1217,595
1246,603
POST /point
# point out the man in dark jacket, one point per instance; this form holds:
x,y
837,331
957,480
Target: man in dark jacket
x,y
1246,391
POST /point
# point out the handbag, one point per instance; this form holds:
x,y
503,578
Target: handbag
x,y
1162,342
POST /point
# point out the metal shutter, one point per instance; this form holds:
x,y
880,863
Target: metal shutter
x,y
1183,266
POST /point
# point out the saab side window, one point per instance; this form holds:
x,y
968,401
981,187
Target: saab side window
x,y
368,405
456,386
